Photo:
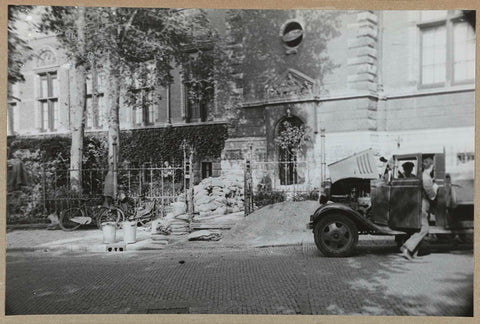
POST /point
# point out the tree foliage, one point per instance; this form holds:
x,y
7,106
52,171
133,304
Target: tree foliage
x,y
265,58
293,138
18,49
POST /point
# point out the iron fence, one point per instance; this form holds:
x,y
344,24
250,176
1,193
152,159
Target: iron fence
x,y
154,182
268,182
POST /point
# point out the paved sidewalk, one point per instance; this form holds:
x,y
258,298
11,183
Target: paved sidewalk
x,y
91,240
83,240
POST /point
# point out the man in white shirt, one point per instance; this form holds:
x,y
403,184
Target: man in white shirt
x,y
430,189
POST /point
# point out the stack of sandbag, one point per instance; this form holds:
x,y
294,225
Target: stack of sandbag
x,y
178,219
205,236
160,231
218,196
179,227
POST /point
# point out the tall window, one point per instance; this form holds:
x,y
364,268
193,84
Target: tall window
x,y
48,101
447,49
206,169
94,114
434,55
198,85
287,156
144,108
13,117
463,52
13,121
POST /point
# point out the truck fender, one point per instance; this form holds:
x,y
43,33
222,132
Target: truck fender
x,y
326,209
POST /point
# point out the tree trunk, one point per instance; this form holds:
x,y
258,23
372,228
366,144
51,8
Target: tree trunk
x,y
113,100
78,108
95,110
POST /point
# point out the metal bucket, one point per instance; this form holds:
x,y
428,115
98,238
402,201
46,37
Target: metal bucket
x,y
109,231
129,232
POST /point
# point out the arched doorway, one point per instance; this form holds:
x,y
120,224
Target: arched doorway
x,y
287,157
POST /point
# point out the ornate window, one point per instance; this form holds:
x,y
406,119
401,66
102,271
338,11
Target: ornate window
x,y
292,36
48,101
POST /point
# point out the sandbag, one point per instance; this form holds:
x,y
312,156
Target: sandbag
x,y
203,200
178,208
185,217
206,207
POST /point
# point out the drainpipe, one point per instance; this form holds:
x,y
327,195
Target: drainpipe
x,y
169,117
324,164
68,98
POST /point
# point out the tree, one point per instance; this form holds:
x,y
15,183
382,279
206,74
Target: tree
x,y
68,23
125,42
18,49
144,45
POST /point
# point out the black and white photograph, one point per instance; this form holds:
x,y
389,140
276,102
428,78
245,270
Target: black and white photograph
x,y
240,161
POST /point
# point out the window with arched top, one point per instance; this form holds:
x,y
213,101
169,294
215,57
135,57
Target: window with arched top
x,y
286,137
46,57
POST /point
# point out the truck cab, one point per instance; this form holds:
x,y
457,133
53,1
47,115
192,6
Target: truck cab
x,y
388,202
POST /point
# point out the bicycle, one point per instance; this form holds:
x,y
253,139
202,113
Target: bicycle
x,y
74,217
144,212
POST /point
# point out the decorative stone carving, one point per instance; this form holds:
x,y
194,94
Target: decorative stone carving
x,y
292,83
46,57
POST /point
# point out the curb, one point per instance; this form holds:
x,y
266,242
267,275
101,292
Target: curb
x,y
79,248
27,226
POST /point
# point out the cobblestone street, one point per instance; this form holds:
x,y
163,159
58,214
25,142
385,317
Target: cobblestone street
x,y
280,280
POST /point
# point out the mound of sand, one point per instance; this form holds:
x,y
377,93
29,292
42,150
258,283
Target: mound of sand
x,y
281,223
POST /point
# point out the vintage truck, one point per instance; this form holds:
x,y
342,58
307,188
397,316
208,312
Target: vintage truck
x,y
362,198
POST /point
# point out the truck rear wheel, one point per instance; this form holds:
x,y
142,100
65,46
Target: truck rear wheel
x,y
336,235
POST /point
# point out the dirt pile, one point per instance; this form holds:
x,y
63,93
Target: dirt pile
x,y
281,223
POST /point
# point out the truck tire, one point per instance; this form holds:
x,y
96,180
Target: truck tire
x,y
336,235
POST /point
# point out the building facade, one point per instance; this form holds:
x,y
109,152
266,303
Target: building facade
x,y
397,81
403,82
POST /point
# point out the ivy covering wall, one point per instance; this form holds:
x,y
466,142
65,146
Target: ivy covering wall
x,y
161,144
140,145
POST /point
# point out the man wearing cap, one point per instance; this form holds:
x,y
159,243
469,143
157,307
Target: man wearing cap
x,y
430,189
407,170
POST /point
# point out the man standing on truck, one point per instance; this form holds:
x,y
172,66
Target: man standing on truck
x,y
430,189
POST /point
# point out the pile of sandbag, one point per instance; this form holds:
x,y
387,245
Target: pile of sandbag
x,y
212,197
178,218
218,196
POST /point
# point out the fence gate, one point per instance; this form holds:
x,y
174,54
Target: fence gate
x,y
269,182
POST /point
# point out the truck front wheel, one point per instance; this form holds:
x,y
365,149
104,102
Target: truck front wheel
x,y
336,235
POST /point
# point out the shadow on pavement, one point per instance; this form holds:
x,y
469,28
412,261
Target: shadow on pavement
x,y
379,281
